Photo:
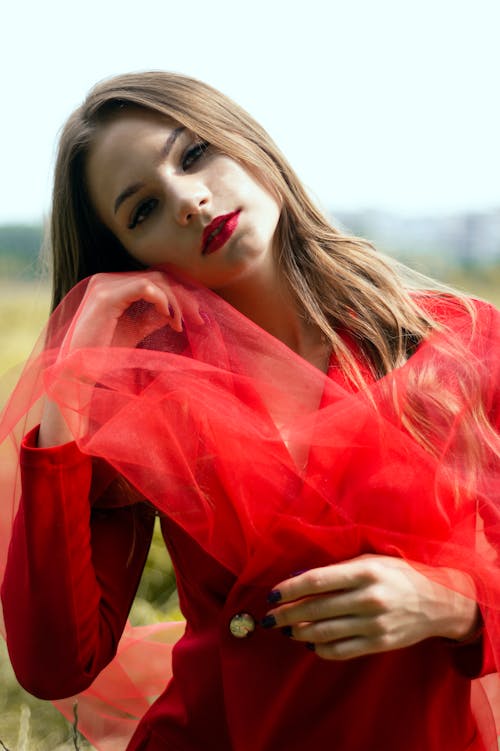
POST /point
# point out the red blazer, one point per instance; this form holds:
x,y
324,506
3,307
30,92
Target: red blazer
x,y
72,574
67,593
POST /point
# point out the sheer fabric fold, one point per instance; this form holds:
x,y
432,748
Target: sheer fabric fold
x,y
223,410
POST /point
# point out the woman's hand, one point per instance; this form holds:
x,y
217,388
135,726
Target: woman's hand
x,y
108,299
371,604
110,296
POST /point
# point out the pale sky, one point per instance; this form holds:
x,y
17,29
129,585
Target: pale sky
x,y
389,104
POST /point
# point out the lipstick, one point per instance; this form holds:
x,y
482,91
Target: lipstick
x,y
218,232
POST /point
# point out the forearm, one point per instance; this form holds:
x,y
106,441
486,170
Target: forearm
x,y
53,429
462,622
456,616
71,575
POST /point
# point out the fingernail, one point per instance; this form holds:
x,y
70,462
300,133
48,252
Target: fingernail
x,y
274,596
310,646
287,631
171,311
268,621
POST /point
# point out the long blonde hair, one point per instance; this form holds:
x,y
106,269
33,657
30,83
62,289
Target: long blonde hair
x,y
341,283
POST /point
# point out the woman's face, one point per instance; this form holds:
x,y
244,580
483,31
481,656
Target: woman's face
x,y
174,200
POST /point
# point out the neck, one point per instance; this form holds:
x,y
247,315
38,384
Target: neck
x,y
270,304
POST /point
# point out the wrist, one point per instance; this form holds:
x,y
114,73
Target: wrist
x,y
457,615
474,632
467,624
53,428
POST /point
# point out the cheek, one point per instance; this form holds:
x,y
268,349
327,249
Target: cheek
x,y
264,192
268,204
239,181
270,212
150,254
155,245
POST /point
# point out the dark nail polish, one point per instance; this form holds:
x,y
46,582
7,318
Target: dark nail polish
x,y
287,631
268,621
274,596
310,646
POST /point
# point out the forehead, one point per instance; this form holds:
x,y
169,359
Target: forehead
x,y
124,150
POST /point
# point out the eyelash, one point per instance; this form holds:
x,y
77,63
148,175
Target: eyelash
x,y
145,208
142,212
193,153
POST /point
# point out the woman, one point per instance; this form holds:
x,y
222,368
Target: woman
x,y
319,442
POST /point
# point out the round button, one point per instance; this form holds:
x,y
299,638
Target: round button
x,y
241,625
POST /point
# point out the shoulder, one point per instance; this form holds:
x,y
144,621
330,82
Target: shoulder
x,y
460,314
466,344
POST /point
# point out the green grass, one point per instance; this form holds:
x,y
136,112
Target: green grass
x,y
26,722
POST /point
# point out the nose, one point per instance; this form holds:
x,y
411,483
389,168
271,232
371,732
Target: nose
x,y
189,198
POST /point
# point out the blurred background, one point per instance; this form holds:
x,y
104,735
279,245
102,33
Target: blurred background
x,y
387,111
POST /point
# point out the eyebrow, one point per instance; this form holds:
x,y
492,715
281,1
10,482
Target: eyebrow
x,y
135,187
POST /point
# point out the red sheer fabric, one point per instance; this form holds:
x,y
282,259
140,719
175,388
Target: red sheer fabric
x,y
292,456
108,712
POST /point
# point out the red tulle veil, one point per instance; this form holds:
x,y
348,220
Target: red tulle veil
x,y
223,410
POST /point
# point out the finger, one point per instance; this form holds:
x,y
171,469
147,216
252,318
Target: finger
x,y
186,299
153,294
335,629
196,314
348,649
352,602
190,308
175,314
163,299
368,601
339,576
116,295
186,304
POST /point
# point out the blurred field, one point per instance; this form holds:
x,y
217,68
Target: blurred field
x,y
23,310
480,282
27,724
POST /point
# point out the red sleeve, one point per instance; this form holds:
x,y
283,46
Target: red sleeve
x,y
71,575
474,657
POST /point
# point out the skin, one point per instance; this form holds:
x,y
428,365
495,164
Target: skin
x,y
162,223
369,604
373,603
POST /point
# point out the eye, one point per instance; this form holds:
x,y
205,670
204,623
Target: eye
x,y
142,211
193,153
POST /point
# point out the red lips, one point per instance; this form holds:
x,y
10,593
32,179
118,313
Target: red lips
x,y
218,232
